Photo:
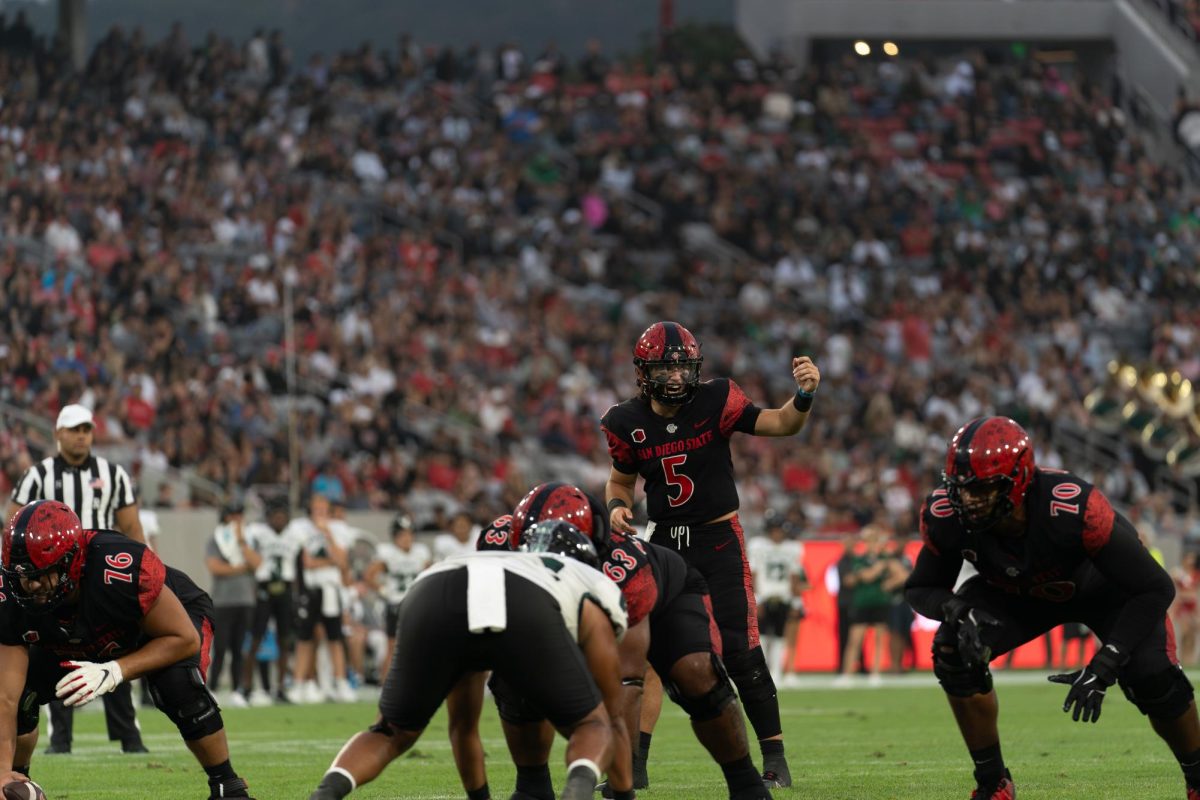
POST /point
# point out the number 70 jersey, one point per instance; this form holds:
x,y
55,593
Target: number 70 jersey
x,y
684,459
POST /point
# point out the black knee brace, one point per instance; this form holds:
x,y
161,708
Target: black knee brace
x,y
749,671
957,679
28,712
1164,695
180,693
711,703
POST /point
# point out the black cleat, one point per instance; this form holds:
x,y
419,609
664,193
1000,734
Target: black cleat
x,y
133,747
236,788
58,750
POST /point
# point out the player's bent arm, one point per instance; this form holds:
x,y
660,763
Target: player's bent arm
x,y
599,645
620,486
1150,590
931,583
130,524
782,421
172,636
14,663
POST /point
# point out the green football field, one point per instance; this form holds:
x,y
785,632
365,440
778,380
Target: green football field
x,y
892,742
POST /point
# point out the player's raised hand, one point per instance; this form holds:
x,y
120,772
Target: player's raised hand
x,y
805,373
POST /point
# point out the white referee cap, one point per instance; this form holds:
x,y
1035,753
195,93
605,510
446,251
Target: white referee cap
x,y
73,415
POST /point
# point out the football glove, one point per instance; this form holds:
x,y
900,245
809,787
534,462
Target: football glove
x,y
971,625
1088,685
87,680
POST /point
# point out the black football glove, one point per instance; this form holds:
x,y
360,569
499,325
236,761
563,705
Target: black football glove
x,y
971,625
1088,685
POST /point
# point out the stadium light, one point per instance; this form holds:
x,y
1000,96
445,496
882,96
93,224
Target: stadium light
x,y
891,49
862,48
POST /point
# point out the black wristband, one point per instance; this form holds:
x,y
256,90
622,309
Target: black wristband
x,y
629,795
803,400
616,502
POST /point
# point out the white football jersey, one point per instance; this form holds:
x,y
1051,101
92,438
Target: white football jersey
x,y
773,566
279,551
401,568
446,546
566,580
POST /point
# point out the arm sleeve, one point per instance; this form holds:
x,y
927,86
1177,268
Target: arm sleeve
x,y
739,414
1125,562
931,583
151,576
621,451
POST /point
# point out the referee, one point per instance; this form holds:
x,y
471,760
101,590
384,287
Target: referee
x,y
101,493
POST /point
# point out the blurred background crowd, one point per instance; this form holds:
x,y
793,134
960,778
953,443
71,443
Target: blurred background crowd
x,y
411,278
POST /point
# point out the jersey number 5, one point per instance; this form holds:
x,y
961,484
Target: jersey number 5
x,y
120,561
683,483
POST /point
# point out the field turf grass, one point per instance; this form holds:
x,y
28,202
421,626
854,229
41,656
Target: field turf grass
x,y
892,742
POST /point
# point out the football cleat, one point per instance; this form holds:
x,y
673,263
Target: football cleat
x,y
1193,792
1003,789
235,788
776,774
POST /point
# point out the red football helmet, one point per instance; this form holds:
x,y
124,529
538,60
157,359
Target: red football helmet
x,y
560,501
988,453
663,347
497,535
43,538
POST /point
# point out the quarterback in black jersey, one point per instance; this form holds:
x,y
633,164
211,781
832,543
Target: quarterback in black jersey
x,y
675,434
81,612
1048,549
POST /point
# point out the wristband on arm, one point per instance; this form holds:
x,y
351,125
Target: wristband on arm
x,y
616,502
803,400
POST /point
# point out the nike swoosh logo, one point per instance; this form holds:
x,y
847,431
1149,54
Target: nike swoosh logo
x,y
103,677
702,422
723,544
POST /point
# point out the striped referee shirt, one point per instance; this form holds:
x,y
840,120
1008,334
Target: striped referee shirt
x,y
95,490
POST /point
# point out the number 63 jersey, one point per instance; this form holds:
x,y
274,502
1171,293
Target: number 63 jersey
x,y
121,579
685,458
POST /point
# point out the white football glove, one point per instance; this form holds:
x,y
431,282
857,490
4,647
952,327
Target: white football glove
x,y
87,680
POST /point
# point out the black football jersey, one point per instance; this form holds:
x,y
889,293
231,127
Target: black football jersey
x,y
1075,544
628,565
684,459
120,581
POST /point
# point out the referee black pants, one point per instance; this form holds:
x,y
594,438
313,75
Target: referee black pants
x,y
118,713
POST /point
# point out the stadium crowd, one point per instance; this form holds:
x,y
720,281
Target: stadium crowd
x,y
471,241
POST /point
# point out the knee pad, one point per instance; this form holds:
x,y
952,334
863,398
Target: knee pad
x,y
1164,695
749,671
956,679
180,693
28,713
711,703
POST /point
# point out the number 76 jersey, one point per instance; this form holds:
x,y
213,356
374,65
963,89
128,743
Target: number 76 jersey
x,y
121,579
685,458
